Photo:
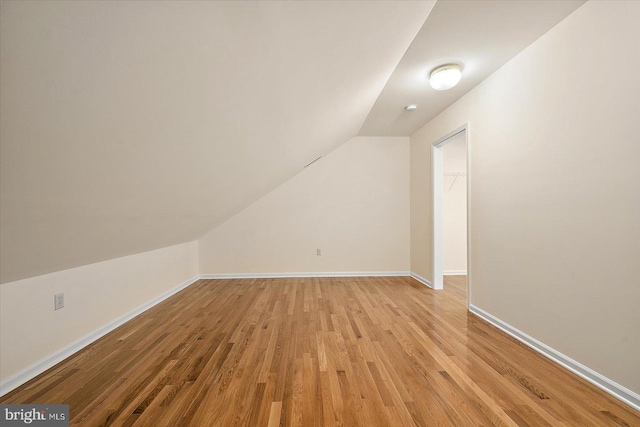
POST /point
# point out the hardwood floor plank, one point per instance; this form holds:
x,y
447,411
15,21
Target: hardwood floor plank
x,y
274,416
375,351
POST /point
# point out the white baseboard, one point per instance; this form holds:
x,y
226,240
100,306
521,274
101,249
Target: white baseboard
x,y
421,279
629,397
301,274
39,367
616,390
454,273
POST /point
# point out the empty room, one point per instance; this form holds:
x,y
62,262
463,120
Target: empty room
x,y
330,213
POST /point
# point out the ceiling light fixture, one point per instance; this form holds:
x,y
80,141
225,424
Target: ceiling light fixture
x,y
411,107
445,76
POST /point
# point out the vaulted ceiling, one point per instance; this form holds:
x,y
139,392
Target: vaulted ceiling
x,y
481,36
130,126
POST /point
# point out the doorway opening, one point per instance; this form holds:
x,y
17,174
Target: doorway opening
x,y
450,166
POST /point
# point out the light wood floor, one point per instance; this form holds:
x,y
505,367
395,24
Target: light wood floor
x,y
329,351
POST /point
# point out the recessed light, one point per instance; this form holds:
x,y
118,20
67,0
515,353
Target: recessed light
x,y
445,76
411,107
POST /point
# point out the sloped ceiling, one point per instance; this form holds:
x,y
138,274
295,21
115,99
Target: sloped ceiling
x,y
130,126
481,36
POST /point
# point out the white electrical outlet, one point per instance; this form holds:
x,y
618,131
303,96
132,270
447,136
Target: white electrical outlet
x,y
58,301
318,252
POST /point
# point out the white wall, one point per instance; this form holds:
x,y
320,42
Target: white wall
x,y
353,204
94,296
454,205
555,200
140,125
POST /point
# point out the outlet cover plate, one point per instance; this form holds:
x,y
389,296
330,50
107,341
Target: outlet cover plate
x,y
58,300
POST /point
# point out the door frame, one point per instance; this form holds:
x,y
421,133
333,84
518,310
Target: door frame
x,y
437,205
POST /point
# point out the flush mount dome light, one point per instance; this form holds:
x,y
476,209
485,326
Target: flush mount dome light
x,y
411,107
445,77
